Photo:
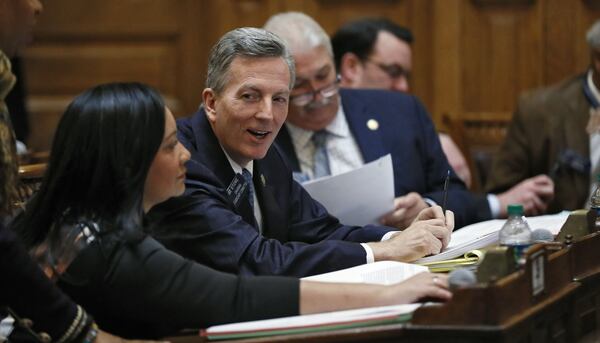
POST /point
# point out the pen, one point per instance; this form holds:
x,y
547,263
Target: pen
x,y
445,192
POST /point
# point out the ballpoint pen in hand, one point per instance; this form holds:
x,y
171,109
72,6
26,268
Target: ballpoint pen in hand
x,y
445,192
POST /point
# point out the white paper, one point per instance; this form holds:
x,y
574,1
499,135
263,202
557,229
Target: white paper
x,y
358,197
314,319
482,234
382,273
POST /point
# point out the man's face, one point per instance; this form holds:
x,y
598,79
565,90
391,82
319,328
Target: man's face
x,y
388,66
315,74
17,19
247,115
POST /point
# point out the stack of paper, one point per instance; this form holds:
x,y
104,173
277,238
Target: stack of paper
x,y
383,273
312,323
483,234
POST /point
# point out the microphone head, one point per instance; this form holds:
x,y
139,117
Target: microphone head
x,y
461,277
541,236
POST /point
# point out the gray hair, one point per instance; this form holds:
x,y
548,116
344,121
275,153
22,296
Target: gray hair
x,y
244,42
300,31
593,36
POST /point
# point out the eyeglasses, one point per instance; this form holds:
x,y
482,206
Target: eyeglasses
x,y
326,92
394,71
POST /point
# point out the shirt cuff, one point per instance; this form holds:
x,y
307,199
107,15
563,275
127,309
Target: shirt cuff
x,y
494,205
369,251
430,202
387,236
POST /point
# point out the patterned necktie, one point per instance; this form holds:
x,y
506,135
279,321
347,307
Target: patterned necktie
x,y
248,179
321,159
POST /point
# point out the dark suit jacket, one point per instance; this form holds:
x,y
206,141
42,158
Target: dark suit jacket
x,y
140,289
545,122
299,237
407,133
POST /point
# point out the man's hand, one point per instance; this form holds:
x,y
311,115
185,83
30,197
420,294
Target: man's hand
x,y
428,234
534,194
406,209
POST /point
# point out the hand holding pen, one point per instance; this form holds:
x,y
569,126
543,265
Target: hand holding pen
x,y
445,198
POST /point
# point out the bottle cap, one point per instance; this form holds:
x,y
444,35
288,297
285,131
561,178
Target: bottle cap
x,y
515,209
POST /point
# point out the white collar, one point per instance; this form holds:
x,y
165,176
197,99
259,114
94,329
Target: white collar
x,y
237,168
338,127
592,86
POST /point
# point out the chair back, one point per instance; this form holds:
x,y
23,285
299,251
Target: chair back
x,y
478,135
30,179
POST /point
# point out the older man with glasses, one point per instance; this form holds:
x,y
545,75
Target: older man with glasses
x,y
360,126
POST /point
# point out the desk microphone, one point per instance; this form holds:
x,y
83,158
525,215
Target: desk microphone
x,y
541,236
571,160
461,277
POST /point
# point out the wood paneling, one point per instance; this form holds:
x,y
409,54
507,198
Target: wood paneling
x,y
468,55
500,48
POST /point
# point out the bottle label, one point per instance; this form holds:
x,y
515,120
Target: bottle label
x,y
519,251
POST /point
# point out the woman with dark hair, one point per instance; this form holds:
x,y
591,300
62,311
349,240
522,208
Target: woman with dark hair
x,y
115,155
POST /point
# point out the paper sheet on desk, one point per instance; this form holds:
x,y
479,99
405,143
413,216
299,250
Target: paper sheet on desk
x,y
358,197
480,235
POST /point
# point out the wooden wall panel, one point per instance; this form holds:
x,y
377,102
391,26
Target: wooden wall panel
x,y
567,52
83,64
501,49
468,56
84,43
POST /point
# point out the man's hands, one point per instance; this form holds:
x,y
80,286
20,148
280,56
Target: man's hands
x,y
406,209
428,234
534,194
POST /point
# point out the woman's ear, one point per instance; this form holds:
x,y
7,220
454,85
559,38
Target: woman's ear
x,y
209,99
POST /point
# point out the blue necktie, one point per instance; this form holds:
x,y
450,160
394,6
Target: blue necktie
x,y
321,159
248,179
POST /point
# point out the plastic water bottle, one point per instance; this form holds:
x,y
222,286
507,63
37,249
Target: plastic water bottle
x,y
595,203
516,233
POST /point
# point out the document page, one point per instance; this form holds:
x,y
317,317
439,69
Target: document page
x,y
382,273
482,234
360,196
312,322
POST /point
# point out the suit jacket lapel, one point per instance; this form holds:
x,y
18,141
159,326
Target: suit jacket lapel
x,y
284,141
208,151
273,217
369,140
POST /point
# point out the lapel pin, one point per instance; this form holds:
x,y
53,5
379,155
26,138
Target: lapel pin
x,y
263,180
372,124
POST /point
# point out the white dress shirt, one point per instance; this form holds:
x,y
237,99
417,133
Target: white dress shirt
x,y
343,152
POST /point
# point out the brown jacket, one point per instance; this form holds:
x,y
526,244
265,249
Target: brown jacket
x,y
546,122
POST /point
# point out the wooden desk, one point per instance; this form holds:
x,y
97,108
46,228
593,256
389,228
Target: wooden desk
x,y
503,311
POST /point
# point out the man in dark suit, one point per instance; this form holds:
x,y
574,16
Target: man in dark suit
x,y
376,53
555,131
242,211
364,125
